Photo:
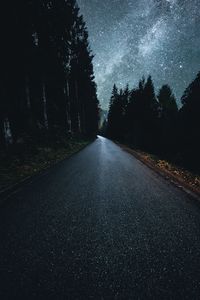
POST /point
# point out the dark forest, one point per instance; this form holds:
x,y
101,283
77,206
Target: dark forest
x,y
47,81
154,123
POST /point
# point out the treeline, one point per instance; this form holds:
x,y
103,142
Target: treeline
x,y
47,81
154,123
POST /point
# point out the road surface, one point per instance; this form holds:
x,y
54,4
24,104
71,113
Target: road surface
x,y
100,225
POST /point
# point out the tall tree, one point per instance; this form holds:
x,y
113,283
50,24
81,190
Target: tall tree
x,y
112,117
47,73
150,113
190,124
168,119
142,115
117,113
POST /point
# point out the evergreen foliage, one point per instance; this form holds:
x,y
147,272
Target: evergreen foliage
x,y
116,116
189,124
47,80
154,123
168,120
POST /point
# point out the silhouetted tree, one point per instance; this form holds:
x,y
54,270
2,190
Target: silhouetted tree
x,y
117,113
189,121
47,80
155,124
141,116
134,113
112,116
149,116
168,114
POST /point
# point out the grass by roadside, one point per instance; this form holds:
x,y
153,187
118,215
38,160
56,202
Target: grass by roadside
x,y
184,177
17,167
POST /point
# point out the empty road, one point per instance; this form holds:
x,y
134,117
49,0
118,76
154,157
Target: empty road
x,y
100,225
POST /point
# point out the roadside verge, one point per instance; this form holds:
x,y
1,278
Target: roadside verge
x,y
182,179
14,173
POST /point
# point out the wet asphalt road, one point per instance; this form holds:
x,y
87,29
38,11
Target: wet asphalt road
x,y
100,225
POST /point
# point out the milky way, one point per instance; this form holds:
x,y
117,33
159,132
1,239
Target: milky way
x,y
132,38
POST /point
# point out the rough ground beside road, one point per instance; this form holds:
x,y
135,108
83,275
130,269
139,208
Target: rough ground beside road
x,y
100,225
176,174
16,167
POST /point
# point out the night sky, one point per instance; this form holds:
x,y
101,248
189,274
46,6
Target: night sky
x,y
132,38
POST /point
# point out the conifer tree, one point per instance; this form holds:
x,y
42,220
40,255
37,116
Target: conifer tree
x,y
142,115
47,77
189,124
117,122
168,119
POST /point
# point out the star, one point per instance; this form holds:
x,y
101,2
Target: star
x,y
132,38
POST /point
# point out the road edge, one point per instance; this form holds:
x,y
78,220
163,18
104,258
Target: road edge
x,y
175,180
7,192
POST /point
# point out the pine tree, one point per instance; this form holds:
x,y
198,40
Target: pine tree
x,y
142,115
112,117
189,124
133,117
168,119
149,116
86,87
117,113
47,73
